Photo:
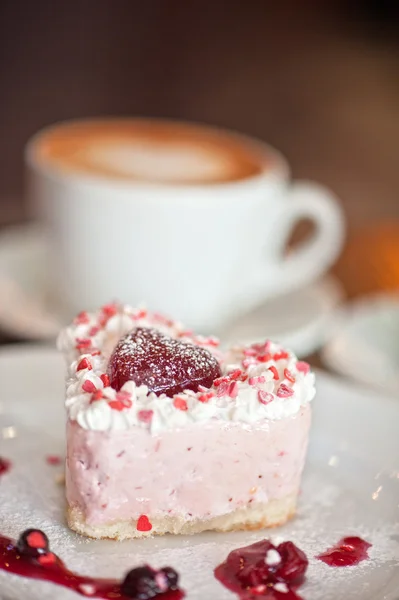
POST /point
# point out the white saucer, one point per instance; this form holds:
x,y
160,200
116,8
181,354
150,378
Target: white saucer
x,y
300,320
365,345
350,487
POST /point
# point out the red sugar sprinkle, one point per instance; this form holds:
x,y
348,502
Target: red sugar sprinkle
x,y
264,357
284,391
143,523
248,362
235,374
105,379
302,366
82,318
98,394
233,389
82,343
205,397
212,341
186,333
145,415
256,380
36,540
116,405
288,375
47,559
280,355
223,389
180,403
250,352
141,314
260,347
273,369
122,400
94,330
124,396
220,380
265,397
84,364
109,309
53,460
95,352
89,387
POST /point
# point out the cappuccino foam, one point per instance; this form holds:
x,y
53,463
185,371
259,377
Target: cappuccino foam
x,y
148,151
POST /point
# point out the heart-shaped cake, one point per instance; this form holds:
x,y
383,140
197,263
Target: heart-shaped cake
x,y
168,434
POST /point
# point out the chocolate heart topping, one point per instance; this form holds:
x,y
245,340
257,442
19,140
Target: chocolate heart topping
x,y
165,365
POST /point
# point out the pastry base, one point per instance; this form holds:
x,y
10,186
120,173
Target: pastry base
x,y
255,516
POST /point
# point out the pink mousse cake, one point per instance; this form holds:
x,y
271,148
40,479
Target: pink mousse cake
x,y
166,433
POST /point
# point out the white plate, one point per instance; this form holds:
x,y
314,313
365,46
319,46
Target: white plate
x,y
365,345
351,486
300,320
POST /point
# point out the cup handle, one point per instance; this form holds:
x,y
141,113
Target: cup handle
x,y
310,201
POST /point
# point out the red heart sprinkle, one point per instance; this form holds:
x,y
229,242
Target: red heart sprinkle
x,y
84,364
265,397
302,366
143,523
288,375
116,405
284,391
180,403
110,309
98,394
164,364
145,415
81,344
280,355
206,397
89,387
263,358
233,389
275,372
235,374
82,318
105,379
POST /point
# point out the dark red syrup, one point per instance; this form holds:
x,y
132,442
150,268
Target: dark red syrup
x,y
45,565
5,466
248,572
349,551
165,365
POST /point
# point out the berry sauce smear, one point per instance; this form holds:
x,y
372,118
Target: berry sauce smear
x,y
31,557
264,571
349,552
5,466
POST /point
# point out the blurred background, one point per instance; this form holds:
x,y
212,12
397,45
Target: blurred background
x,y
317,80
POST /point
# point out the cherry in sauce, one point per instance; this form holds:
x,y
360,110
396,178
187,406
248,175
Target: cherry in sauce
x,y
264,571
349,551
30,557
165,365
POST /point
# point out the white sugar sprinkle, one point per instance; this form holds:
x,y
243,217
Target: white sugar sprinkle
x,y
272,557
281,587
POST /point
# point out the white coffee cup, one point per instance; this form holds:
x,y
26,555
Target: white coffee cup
x,y
189,220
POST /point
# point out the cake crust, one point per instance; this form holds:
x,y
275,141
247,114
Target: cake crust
x,y
255,516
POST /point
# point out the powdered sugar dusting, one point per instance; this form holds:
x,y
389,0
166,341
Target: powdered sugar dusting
x,y
335,501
